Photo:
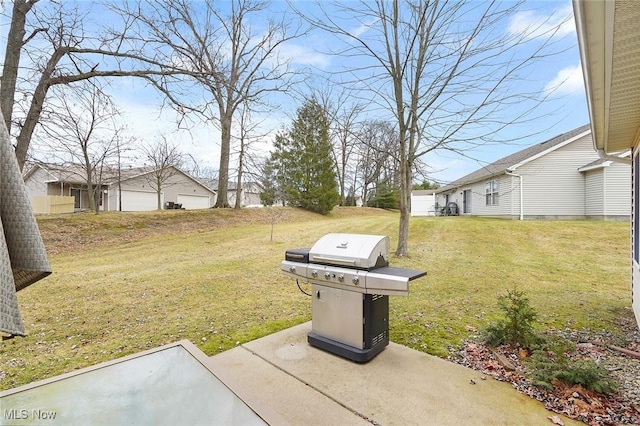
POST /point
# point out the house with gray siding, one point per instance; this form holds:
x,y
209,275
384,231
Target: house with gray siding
x,y
249,192
561,178
129,189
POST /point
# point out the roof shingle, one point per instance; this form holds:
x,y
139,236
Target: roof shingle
x,y
500,166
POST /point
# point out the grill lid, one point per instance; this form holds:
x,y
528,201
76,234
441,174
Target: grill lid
x,y
351,250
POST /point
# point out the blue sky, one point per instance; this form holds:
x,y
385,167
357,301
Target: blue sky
x,y
564,110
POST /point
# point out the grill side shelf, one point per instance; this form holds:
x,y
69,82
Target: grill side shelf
x,y
391,281
411,274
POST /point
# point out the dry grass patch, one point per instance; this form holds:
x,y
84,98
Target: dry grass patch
x,y
128,282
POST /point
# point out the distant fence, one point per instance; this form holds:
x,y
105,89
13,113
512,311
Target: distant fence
x,y
48,204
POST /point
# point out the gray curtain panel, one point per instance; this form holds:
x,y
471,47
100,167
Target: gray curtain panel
x,y
23,259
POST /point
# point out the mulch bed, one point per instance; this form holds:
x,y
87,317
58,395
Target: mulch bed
x,y
505,363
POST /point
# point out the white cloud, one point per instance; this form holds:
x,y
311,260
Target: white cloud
x,y
303,55
532,24
364,27
568,81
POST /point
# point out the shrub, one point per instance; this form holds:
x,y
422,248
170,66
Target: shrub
x,y
550,360
548,367
517,325
385,200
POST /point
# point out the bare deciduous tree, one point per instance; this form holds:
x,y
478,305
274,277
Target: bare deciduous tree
x,y
377,157
122,147
247,136
81,130
445,70
234,62
15,42
61,52
162,160
344,114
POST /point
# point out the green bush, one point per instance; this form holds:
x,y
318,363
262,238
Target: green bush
x,y
517,325
550,360
386,200
548,366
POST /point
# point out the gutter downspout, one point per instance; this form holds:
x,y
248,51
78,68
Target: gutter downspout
x,y
614,158
510,173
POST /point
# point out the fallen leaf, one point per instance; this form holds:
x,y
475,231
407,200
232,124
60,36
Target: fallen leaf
x,y
504,361
556,420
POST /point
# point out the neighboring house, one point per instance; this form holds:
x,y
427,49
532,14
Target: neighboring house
x,y
561,178
609,41
64,180
133,190
423,202
250,192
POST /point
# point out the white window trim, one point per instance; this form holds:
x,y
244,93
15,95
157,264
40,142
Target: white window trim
x,y
492,195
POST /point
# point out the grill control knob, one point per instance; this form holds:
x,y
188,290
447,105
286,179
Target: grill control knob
x,y
292,269
327,275
314,273
356,280
341,278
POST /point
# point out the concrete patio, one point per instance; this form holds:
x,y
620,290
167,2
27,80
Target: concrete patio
x,y
401,386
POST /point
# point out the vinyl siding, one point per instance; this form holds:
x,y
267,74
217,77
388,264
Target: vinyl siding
x,y
478,198
553,187
617,184
479,204
594,192
515,196
36,185
174,185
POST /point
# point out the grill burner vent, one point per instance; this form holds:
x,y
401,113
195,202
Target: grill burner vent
x,y
379,338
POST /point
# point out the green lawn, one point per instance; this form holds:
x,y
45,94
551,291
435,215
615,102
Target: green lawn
x,y
124,283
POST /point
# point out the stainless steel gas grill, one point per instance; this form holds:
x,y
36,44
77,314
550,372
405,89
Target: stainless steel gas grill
x,y
351,282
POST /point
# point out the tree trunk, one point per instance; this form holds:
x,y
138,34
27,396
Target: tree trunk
x,y
222,200
97,193
119,178
91,194
238,203
159,192
405,202
405,194
33,116
15,40
341,178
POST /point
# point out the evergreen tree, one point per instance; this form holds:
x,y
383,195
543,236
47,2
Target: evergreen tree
x,y
305,167
269,185
426,185
275,170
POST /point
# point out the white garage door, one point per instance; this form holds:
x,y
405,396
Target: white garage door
x,y
193,201
140,201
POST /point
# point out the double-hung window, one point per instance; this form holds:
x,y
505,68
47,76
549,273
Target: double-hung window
x,y
491,193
